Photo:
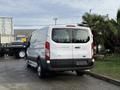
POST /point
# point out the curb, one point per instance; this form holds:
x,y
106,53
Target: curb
x,y
105,78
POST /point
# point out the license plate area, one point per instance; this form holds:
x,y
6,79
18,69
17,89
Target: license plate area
x,y
81,63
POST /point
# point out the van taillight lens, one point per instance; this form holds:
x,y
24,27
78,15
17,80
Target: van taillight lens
x,y
47,50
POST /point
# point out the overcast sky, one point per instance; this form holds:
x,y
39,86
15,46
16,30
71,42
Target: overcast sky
x,y
42,12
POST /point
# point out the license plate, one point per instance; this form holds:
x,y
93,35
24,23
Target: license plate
x,y
81,63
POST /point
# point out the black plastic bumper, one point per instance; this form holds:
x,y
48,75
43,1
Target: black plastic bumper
x,y
69,64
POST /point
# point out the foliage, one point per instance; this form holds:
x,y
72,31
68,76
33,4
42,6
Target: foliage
x,y
118,25
109,66
105,30
118,16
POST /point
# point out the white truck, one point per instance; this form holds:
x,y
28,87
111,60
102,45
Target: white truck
x,y
61,48
7,39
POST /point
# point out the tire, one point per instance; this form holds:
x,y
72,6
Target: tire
x,y
79,73
21,54
41,72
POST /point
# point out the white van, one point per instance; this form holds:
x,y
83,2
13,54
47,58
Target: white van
x,y
61,48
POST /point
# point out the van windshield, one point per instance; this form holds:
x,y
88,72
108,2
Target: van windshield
x,y
66,35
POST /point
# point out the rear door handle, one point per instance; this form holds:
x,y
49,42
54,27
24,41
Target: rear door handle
x,y
77,47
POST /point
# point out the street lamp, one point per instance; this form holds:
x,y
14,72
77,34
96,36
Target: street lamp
x,y
55,19
90,11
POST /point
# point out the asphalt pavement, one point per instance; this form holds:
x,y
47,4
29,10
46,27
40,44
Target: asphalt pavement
x,y
15,76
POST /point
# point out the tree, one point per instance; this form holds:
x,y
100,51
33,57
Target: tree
x,y
104,29
118,24
118,15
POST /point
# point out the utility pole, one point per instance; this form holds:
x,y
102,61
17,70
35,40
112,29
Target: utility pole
x,y
55,19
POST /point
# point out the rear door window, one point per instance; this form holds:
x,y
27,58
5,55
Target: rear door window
x,y
61,35
66,35
80,36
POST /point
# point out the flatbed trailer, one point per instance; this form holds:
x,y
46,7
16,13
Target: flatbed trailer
x,y
2,50
16,49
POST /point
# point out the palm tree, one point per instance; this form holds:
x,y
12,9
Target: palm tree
x,y
103,28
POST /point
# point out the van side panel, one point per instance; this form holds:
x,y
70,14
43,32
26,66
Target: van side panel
x,y
40,42
37,44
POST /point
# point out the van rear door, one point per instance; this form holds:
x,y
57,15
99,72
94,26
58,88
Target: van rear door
x,y
70,43
61,46
81,44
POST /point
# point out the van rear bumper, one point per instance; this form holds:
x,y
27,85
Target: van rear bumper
x,y
69,64
69,68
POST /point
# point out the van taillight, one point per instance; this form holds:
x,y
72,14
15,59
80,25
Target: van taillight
x,y
47,50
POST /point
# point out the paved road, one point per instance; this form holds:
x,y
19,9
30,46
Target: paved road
x,y
15,76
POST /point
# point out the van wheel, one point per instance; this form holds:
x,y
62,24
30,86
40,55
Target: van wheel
x,y
21,54
41,72
79,73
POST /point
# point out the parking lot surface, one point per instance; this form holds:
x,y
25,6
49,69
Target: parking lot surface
x,y
15,76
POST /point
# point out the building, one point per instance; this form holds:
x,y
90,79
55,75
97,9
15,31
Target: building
x,y
22,33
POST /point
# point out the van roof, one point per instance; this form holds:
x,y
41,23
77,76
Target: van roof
x,y
68,26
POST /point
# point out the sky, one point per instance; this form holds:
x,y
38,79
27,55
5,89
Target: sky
x,y
43,12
